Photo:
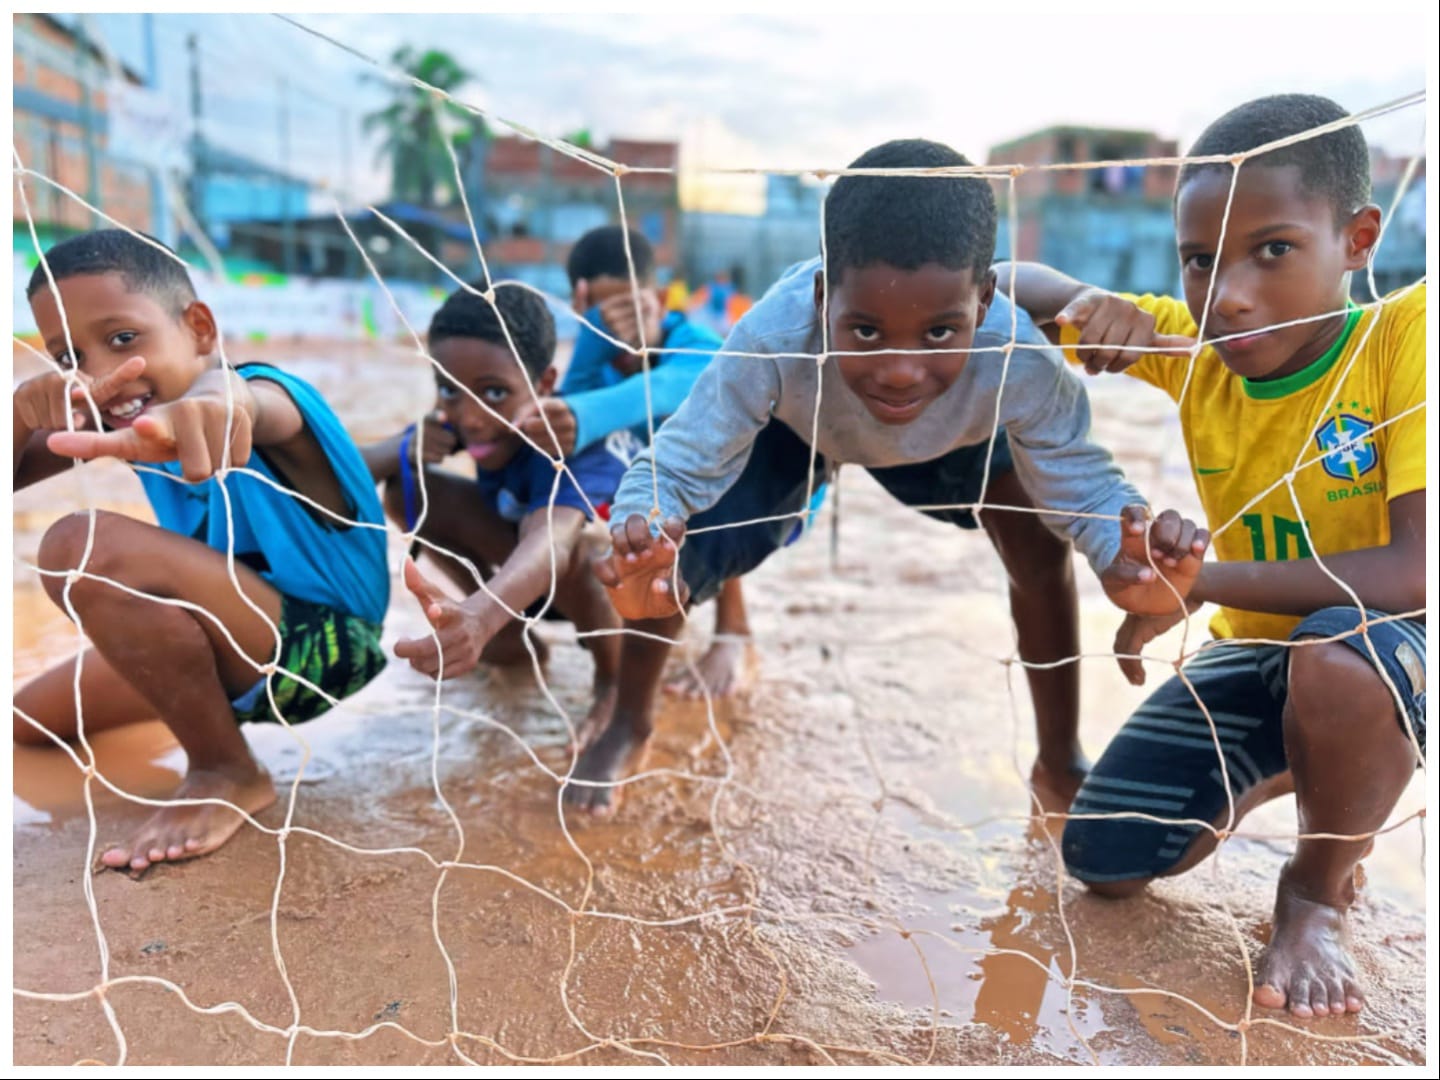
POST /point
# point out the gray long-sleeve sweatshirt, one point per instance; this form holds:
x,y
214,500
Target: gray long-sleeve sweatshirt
x,y
701,450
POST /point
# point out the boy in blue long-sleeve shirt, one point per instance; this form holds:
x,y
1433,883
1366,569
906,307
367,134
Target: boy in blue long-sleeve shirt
x,y
604,394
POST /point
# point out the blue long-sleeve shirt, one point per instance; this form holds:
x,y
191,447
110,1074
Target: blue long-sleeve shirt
x,y
605,400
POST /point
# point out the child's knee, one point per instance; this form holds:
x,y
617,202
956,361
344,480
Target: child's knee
x,y
63,549
1103,854
1330,682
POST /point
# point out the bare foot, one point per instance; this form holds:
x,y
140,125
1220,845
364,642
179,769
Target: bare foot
x,y
720,671
614,755
597,719
507,648
185,832
1307,965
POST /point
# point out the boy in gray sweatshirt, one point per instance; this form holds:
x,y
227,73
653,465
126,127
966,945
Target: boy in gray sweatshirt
x,y
891,356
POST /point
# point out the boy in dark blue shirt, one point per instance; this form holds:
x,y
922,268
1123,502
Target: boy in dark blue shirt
x,y
519,526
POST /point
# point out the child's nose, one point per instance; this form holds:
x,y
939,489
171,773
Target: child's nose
x,y
1232,293
899,371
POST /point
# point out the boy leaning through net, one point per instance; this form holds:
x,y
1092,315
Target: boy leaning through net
x,y
176,631
912,390
1304,418
605,389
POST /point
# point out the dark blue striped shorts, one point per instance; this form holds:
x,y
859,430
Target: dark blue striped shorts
x,y
1164,762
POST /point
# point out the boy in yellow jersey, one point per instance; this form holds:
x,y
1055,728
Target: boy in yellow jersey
x,y
1304,418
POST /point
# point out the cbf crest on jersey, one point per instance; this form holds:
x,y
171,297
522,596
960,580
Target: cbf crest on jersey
x,y
1346,440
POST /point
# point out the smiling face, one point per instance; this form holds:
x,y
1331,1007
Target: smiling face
x,y
490,372
910,327
109,324
1285,257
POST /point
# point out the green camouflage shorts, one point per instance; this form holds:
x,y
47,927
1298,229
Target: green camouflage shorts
x,y
337,652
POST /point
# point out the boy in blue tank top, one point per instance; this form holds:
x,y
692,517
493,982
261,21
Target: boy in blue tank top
x,y
171,633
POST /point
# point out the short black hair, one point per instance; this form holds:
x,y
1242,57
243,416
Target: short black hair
x,y
146,266
526,315
1335,165
908,221
601,252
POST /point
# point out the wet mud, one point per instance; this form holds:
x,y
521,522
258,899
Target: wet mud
x,y
840,865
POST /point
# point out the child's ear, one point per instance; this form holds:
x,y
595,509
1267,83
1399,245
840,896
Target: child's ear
x,y
1361,234
545,384
820,290
987,296
200,321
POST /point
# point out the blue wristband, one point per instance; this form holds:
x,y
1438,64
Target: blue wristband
x,y
407,478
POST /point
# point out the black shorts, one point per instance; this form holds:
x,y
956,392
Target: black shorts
x,y
777,482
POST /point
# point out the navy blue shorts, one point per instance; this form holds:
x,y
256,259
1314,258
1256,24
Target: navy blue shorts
x,y
776,481
1163,762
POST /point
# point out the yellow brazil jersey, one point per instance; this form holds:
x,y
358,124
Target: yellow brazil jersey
x,y
1351,425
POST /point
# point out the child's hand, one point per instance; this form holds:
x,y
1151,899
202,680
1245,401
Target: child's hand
x,y
45,402
191,430
1136,632
640,573
1105,319
529,419
439,439
619,313
1175,546
458,633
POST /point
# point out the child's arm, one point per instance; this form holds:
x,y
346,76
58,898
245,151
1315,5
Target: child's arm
x,y
590,356
625,405
1389,578
463,629
44,404
198,428
433,443
1113,331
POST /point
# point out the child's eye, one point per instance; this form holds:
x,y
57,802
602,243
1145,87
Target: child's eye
x,y
447,392
1275,249
65,360
938,335
866,333
123,338
494,394
1200,262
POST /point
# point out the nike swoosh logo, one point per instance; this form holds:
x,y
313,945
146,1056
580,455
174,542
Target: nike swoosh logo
x,y
1200,470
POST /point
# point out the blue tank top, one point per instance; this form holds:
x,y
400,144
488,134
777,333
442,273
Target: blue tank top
x,y
299,550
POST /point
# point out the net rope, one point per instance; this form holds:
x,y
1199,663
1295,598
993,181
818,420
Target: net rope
x,y
727,786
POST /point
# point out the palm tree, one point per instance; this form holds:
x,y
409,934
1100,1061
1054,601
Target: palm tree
x,y
414,143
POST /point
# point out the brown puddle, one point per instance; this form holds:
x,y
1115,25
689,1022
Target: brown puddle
x,y
874,840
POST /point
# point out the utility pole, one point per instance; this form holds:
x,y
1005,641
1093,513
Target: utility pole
x,y
197,136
